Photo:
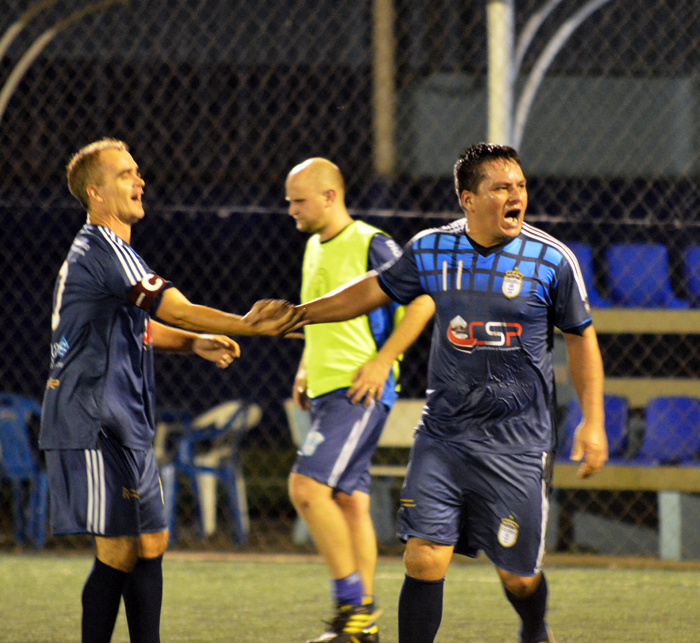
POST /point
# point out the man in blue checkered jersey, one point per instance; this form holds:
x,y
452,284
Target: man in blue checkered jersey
x,y
480,468
98,412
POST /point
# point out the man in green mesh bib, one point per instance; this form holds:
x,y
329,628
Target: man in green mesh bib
x,y
347,378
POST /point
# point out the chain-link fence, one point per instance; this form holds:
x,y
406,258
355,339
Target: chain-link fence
x,y
219,100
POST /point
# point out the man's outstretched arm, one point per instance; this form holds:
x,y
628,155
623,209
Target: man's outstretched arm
x,y
357,297
176,309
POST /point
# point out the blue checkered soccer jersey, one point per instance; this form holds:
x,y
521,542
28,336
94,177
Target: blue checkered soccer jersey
x,y
101,374
490,375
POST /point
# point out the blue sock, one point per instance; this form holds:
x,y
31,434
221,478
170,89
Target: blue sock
x,y
420,610
531,611
348,590
101,596
143,598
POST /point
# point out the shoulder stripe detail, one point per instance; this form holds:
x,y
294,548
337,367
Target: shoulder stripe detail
x,y
548,239
127,257
454,228
424,233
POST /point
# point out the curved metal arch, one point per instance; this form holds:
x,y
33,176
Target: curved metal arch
x,y
543,63
531,27
38,45
17,26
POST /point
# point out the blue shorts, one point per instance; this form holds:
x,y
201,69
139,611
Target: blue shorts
x,y
108,491
494,502
341,442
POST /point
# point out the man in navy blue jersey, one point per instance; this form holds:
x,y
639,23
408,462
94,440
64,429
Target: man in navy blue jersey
x,y
480,468
98,413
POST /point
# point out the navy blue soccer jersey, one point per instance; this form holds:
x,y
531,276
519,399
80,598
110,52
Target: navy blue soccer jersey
x,y
101,374
491,376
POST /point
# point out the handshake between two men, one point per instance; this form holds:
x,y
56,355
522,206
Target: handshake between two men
x,y
276,317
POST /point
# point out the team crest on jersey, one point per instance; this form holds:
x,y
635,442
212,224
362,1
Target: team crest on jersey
x,y
508,532
313,439
512,283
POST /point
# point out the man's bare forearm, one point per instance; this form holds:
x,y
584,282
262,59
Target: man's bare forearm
x,y
355,298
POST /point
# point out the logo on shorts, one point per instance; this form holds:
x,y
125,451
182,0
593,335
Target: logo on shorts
x,y
128,494
512,283
311,443
508,532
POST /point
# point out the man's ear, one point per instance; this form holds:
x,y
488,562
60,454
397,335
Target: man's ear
x,y
465,200
330,196
94,193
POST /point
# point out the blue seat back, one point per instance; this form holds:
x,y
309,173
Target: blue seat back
x,y
230,419
638,276
672,433
692,274
616,414
584,256
19,460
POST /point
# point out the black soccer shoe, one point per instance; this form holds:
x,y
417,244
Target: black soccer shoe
x,y
352,624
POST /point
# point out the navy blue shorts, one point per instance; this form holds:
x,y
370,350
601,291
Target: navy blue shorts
x,y
494,502
341,442
108,491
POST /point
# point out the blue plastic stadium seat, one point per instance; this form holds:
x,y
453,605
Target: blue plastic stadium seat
x,y
22,466
207,450
638,276
692,274
584,257
672,432
616,412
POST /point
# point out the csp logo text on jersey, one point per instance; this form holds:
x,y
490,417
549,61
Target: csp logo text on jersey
x,y
467,336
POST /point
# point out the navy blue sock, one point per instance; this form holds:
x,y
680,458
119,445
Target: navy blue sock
x,y
532,611
420,610
101,597
143,598
348,590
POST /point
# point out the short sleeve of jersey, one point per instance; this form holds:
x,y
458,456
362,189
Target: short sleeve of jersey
x,y
382,249
399,278
571,309
126,276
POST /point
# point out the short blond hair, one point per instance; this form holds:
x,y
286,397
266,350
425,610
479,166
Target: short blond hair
x,y
84,167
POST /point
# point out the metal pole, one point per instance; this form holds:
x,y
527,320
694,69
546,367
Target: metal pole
x,y
383,87
500,18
